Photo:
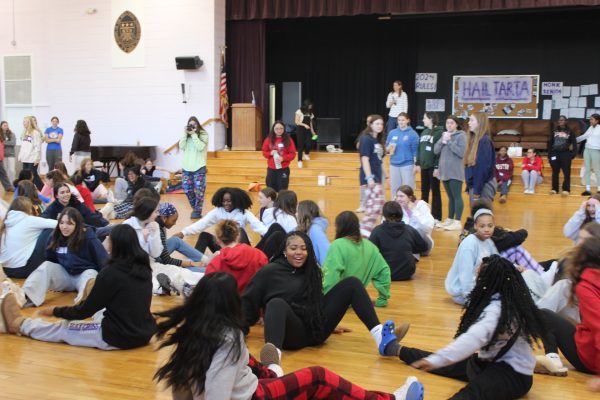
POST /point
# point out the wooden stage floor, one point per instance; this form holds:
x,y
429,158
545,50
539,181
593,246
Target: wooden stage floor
x,y
30,369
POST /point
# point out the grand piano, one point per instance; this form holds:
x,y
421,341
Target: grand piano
x,y
110,156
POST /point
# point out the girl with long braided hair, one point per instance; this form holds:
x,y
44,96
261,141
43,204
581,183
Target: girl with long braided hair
x,y
492,348
297,313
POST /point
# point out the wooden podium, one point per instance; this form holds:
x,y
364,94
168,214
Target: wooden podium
x,y
246,127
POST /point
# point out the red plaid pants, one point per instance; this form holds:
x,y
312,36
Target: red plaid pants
x,y
308,383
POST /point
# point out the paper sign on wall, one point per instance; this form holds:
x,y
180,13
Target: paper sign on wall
x,y
426,82
551,88
495,89
435,105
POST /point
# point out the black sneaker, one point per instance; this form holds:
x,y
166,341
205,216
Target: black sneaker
x,y
586,193
165,283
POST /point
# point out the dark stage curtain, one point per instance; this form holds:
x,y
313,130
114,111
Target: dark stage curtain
x,y
346,65
276,9
246,62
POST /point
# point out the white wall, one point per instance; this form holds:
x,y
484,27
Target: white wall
x,y
74,79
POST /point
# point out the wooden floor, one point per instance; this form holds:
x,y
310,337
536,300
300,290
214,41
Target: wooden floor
x,y
31,369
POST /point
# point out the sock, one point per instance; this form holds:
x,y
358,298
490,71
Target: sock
x,y
205,259
277,369
376,333
392,349
587,187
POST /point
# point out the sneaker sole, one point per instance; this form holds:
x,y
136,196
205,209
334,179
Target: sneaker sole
x,y
269,355
416,391
542,370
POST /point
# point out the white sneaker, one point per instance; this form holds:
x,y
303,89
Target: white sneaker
x,y
360,209
8,286
550,364
411,390
110,197
299,164
108,211
454,226
305,157
441,225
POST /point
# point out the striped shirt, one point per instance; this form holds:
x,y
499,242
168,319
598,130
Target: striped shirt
x,y
397,104
165,257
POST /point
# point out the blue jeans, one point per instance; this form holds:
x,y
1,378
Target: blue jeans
x,y
174,243
392,123
505,187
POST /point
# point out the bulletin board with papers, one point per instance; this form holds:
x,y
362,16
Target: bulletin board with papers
x,y
499,96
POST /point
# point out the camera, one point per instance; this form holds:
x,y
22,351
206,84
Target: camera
x,y
191,128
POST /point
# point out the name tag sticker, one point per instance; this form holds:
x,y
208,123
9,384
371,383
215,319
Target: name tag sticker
x,y
427,148
553,158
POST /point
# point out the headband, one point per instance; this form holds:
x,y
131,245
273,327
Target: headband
x,y
167,209
483,211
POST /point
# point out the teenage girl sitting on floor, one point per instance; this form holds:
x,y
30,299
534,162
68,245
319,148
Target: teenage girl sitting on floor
x,y
211,361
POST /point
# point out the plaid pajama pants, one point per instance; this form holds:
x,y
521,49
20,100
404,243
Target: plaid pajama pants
x,y
308,383
373,207
518,255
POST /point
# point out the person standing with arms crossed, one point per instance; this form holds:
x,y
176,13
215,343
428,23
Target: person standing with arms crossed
x,y
53,136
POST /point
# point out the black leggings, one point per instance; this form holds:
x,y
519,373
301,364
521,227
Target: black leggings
x,y
286,330
207,240
38,256
560,334
562,161
36,178
304,139
431,183
498,381
272,241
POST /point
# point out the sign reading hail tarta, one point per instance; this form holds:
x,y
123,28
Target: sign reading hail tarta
x,y
127,31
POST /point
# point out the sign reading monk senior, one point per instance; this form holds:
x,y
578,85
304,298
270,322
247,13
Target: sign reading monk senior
x,y
495,89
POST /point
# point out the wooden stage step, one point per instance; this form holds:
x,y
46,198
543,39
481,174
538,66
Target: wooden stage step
x,y
240,168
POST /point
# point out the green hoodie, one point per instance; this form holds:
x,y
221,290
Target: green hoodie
x,y
361,260
194,149
426,158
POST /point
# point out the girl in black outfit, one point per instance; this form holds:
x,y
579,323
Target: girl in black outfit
x,y
80,148
562,148
296,313
123,289
305,131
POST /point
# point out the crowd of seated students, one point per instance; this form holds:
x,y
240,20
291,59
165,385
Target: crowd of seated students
x,y
296,281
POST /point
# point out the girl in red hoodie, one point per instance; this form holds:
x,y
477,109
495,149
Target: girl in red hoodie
x,y
531,171
279,150
579,344
238,259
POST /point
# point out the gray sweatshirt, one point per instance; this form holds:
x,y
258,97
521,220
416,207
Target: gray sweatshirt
x,y
573,225
226,379
9,146
451,156
520,356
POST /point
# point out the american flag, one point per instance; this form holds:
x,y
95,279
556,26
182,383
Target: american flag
x,y
223,98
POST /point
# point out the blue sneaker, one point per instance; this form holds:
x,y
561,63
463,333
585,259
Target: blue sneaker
x,y
411,390
387,336
196,215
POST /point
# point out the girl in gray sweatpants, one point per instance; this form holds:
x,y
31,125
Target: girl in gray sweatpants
x,y
119,302
74,256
